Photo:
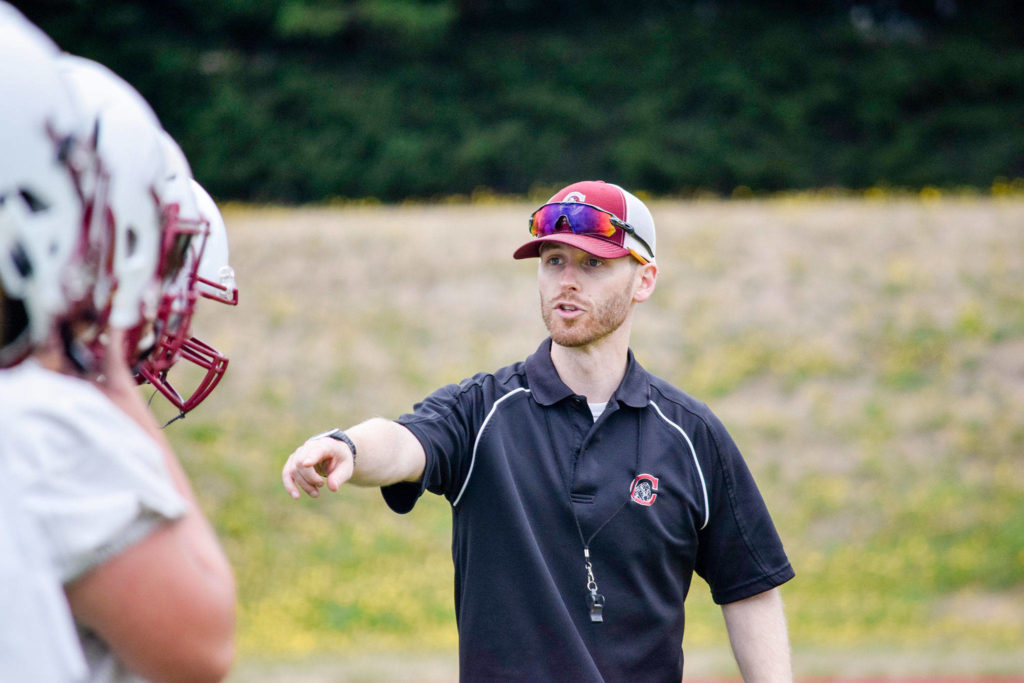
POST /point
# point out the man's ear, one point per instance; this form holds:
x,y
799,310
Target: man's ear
x,y
646,278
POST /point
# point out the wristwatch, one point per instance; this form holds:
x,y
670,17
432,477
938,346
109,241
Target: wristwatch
x,y
340,436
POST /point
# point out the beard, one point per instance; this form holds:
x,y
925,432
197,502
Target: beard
x,y
600,320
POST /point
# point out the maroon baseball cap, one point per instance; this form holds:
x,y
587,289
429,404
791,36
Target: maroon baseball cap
x,y
611,199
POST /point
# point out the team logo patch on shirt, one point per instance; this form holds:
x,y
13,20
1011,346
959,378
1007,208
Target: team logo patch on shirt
x,y
644,489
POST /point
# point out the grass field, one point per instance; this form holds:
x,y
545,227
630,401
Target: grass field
x,y
867,355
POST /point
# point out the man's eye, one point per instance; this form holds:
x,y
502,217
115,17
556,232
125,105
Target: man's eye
x,y
595,262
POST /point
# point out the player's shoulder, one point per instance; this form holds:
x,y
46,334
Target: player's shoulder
x,y
28,388
56,418
42,392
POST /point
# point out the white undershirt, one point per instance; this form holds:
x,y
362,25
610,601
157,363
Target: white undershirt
x,y
597,408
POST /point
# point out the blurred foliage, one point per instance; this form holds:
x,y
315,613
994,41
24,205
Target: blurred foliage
x,y
306,100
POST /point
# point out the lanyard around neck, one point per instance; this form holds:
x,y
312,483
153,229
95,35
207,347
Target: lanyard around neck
x,y
595,600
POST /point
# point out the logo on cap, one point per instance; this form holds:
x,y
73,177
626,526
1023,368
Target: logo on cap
x,y
575,197
644,489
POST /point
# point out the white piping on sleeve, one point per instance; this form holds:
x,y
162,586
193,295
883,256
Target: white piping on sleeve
x,y
696,463
476,442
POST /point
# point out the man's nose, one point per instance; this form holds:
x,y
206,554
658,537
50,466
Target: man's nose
x,y
568,276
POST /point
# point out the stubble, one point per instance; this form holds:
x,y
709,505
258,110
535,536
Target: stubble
x,y
600,320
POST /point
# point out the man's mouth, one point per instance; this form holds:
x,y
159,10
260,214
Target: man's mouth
x,y
568,310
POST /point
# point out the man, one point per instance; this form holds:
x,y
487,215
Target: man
x,y
585,491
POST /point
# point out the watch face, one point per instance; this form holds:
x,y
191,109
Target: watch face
x,y
323,434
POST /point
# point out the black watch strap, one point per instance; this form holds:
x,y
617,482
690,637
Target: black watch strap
x,y
339,435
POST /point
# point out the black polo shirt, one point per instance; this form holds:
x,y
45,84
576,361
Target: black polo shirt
x,y
656,487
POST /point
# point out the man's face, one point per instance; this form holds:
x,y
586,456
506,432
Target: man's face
x,y
584,298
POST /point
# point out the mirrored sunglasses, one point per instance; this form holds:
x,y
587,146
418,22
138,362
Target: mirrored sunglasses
x,y
583,219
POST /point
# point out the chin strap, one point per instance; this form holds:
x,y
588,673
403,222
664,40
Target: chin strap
x,y
79,355
180,416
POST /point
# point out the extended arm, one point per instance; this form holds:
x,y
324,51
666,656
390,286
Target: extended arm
x,y
387,453
757,633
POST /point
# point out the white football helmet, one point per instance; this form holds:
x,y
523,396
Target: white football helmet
x,y
181,254
214,279
46,185
14,20
96,87
129,232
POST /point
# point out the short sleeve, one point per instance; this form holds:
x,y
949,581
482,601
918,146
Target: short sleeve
x,y
93,479
445,423
740,553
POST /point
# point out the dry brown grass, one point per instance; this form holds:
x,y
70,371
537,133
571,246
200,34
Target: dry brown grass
x,y
867,355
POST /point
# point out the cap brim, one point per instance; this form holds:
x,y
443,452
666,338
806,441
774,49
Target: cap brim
x,y
591,245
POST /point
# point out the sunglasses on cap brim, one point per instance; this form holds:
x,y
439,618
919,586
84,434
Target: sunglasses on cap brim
x,y
584,219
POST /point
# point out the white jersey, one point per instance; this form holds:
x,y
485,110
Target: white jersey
x,y
92,478
37,634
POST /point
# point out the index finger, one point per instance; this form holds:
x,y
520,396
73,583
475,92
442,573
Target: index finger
x,y
286,479
295,479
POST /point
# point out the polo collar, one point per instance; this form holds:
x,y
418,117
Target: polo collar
x,y
548,388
